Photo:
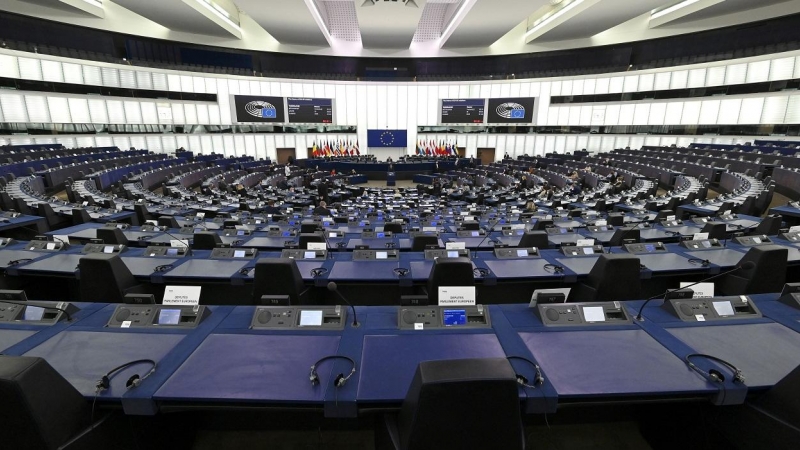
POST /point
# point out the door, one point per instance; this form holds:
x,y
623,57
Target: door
x,y
462,152
486,155
284,154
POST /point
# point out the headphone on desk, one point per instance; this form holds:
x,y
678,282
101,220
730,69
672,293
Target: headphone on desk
x,y
538,379
134,381
713,375
340,379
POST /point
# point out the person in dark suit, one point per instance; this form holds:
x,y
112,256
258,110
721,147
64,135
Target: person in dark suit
x,y
322,210
271,208
322,191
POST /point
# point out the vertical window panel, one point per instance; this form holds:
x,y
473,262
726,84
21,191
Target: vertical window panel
x,y
144,80
781,69
149,113
751,111
174,82
679,79
736,74
697,78
9,67
674,113
127,79
51,71
691,113
133,113
626,113
30,69
709,112
615,85
758,71
774,110
79,110
92,75
72,73
13,108
191,113
98,111
663,80
793,110
110,76
178,117
202,114
646,82
37,108
160,82
729,111
116,112
59,110
715,76
601,86
631,83
658,112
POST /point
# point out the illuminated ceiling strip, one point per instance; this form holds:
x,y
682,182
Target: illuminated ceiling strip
x,y
312,6
552,18
93,7
660,17
212,13
463,9
672,8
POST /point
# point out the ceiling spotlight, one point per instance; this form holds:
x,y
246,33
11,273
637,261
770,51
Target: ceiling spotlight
x,y
411,3
368,3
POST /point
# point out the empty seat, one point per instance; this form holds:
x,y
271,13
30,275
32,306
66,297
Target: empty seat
x,y
535,238
449,272
278,276
104,277
613,277
79,216
206,240
421,242
768,274
715,230
112,236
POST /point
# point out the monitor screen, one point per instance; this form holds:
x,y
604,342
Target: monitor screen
x,y
563,230
452,254
588,251
381,255
240,232
452,317
172,251
169,316
650,247
108,249
311,318
522,253
723,308
707,244
476,233
333,235
286,234
380,234
239,253
310,255
33,313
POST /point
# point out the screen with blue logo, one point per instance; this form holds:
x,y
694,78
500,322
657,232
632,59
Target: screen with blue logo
x,y
256,108
510,110
452,317
387,138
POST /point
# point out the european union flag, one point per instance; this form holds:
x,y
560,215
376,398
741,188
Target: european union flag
x,y
518,114
387,138
269,113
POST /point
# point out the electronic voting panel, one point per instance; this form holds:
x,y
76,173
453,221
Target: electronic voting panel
x,y
712,309
299,318
582,314
516,253
443,317
157,316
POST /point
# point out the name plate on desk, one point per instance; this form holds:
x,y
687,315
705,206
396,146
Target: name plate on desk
x,y
712,309
455,245
182,295
297,253
753,240
376,255
160,250
516,253
514,232
233,253
439,317
700,236
456,295
645,248
158,316
299,317
599,229
433,253
559,230
103,248
671,223
582,314
574,250
705,244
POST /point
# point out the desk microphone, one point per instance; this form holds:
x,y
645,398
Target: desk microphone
x,y
747,265
53,308
488,233
328,248
66,244
176,238
333,288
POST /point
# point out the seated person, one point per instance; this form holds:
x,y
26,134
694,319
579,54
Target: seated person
x,y
271,208
322,210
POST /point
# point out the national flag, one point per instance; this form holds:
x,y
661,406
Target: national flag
x,y
355,147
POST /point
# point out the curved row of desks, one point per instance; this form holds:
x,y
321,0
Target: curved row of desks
x,y
224,364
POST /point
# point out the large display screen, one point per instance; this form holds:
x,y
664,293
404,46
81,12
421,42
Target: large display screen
x,y
257,108
464,110
510,110
310,110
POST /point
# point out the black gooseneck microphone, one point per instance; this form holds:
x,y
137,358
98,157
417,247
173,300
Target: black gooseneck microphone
x,y
333,288
66,244
328,248
53,308
744,266
177,238
488,233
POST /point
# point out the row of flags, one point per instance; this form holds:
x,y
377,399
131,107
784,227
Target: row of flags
x,y
431,148
335,148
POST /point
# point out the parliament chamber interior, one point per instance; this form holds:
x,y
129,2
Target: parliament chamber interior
x,y
399,224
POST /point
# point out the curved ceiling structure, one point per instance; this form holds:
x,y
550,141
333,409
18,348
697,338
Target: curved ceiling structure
x,y
404,28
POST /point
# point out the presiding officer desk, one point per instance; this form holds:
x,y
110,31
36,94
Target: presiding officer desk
x,y
227,361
